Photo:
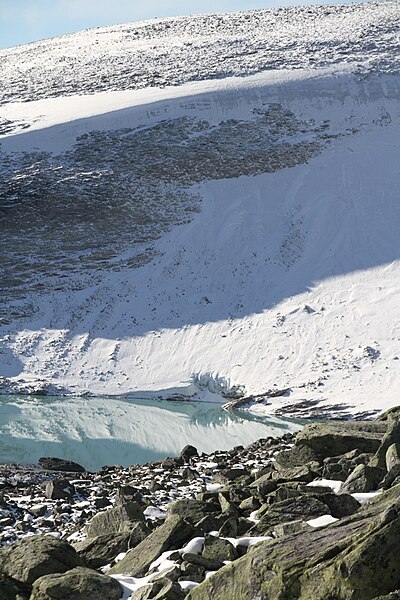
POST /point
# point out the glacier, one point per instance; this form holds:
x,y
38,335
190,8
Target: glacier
x,y
195,205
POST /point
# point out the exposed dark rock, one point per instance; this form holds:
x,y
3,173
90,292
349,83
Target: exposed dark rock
x,y
59,489
59,464
218,549
210,564
297,457
160,590
188,452
192,511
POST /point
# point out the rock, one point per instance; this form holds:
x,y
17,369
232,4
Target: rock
x,y
172,534
304,474
283,529
264,484
298,456
160,590
191,572
229,528
209,564
137,534
30,558
228,475
392,436
302,508
115,520
218,549
362,479
188,452
392,456
340,505
355,558
227,508
191,510
172,463
101,550
59,489
189,474
9,589
338,437
77,584
127,493
59,464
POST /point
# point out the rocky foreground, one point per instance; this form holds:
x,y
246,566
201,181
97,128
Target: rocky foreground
x,y
312,516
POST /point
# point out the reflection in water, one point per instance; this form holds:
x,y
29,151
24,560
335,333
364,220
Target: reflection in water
x,y
99,431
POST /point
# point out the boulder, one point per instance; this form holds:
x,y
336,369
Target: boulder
x,y
355,558
101,550
302,508
59,464
172,534
188,452
340,505
59,489
219,549
192,510
227,475
392,436
209,564
339,437
160,590
362,479
115,520
297,456
77,584
9,589
32,557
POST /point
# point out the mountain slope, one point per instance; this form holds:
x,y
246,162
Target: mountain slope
x,y
212,236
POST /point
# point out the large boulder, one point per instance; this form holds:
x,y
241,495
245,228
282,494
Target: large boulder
x,y
192,510
102,549
59,464
304,507
355,558
297,456
338,437
77,584
172,534
363,479
32,557
160,590
59,489
392,436
115,520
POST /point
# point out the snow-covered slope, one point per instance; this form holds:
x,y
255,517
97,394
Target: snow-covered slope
x,y
235,230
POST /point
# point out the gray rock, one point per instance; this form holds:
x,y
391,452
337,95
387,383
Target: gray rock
x,y
209,564
59,489
392,436
172,534
59,464
218,549
77,584
32,557
338,437
115,520
302,508
297,456
160,590
363,479
192,510
101,550
228,475
340,505
188,452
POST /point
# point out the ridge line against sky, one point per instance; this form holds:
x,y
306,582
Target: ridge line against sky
x,y
24,21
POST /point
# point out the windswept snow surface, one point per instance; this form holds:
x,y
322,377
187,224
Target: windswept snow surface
x,y
237,232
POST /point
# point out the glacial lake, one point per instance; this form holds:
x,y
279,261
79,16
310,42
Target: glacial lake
x,y
107,431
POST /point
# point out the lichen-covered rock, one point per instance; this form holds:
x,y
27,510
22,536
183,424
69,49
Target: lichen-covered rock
x,y
363,479
59,489
192,510
115,520
60,464
304,508
102,549
296,457
338,437
218,548
392,436
353,559
340,505
31,558
172,534
77,584
160,590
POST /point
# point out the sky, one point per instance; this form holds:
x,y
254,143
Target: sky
x,y
23,21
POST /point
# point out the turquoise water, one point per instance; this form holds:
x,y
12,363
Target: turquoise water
x,y
100,431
